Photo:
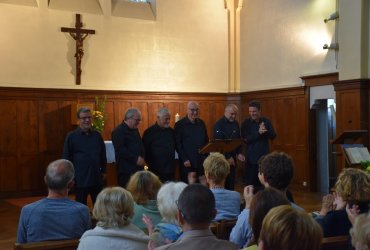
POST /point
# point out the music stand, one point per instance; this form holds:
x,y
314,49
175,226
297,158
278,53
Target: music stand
x,y
221,146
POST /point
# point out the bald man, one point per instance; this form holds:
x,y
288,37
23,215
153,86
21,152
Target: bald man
x,y
228,128
191,135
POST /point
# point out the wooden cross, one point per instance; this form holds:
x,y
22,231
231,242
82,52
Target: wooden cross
x,y
79,35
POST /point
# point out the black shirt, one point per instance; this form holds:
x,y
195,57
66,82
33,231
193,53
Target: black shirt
x,y
224,129
190,138
87,153
159,144
127,148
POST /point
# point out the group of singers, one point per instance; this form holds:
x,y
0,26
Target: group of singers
x,y
85,147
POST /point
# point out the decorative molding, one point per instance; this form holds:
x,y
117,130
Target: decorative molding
x,y
320,80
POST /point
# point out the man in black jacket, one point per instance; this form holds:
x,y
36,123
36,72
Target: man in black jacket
x,y
191,136
159,143
128,147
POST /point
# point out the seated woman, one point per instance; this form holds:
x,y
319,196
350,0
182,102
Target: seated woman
x,y
260,205
351,188
286,228
144,186
168,230
216,169
113,208
360,232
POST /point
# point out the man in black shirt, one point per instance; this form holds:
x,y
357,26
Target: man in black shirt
x,y
191,135
257,131
159,143
128,147
85,148
228,128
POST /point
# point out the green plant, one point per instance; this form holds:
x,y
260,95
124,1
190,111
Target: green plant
x,y
365,165
99,114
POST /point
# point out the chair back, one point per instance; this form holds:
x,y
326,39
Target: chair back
x,y
48,245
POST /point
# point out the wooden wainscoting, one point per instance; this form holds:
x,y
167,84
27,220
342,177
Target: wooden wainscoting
x,y
36,121
288,110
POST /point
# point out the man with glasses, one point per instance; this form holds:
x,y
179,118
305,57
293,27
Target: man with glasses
x,y
128,147
191,135
85,148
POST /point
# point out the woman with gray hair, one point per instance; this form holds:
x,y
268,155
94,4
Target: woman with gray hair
x,y
113,209
168,230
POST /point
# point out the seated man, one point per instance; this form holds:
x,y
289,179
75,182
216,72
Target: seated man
x,y
196,210
275,170
55,217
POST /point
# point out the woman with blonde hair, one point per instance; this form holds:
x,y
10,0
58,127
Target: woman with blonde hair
x,y
286,228
216,169
144,186
352,189
113,208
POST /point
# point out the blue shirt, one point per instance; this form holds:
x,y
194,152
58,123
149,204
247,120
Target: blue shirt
x,y
227,204
53,219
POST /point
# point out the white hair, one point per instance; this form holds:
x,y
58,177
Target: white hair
x,y
166,200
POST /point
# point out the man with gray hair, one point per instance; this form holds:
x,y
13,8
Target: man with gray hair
x,y
159,143
55,217
85,148
128,147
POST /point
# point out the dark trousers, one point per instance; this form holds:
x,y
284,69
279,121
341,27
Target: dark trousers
x,y
166,177
230,179
251,175
123,179
82,193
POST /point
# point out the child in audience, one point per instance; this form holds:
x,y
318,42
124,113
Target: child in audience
x,y
275,170
168,230
113,208
286,228
351,189
216,169
144,186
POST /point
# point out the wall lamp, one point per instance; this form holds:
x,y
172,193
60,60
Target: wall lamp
x,y
333,16
334,46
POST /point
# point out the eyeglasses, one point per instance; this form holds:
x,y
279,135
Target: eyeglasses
x,y
136,119
85,118
177,204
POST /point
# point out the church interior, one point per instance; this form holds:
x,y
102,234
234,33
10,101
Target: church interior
x,y
306,61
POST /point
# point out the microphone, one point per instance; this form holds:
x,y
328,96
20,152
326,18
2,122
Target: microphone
x,y
221,132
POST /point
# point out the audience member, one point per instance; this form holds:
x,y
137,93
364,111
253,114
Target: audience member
x,y
159,143
216,169
191,135
257,131
168,230
260,205
351,188
196,210
228,128
55,217
113,209
360,232
286,228
85,148
128,147
275,170
144,186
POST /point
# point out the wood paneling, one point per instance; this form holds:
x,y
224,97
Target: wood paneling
x,y
287,109
38,121
352,97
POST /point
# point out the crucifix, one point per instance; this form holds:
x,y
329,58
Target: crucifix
x,y
79,36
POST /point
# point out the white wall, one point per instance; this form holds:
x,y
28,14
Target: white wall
x,y
184,50
282,40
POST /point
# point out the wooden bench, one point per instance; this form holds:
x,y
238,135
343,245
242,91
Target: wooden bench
x,y
46,245
335,243
221,229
